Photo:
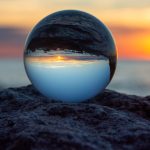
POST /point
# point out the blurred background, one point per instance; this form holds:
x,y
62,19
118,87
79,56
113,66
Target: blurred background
x,y
128,20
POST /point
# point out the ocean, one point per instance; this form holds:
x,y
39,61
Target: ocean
x,y
131,77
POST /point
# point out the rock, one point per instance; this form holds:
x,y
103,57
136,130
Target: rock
x,y
29,121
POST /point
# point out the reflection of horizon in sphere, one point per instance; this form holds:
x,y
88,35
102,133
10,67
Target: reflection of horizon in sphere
x,y
70,56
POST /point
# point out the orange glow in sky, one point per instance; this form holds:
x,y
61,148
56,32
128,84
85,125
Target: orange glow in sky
x,y
48,59
61,58
129,21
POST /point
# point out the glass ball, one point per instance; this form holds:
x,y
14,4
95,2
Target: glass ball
x,y
70,56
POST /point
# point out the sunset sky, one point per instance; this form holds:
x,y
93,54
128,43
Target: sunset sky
x,y
129,21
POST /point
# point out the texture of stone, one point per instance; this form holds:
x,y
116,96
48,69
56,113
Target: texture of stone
x,y
29,121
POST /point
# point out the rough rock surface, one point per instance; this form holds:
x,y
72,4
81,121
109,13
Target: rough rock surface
x,y
29,121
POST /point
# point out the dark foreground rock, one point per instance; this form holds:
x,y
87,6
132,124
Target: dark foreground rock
x,y
29,121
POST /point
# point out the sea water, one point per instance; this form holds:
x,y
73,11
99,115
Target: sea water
x,y
131,77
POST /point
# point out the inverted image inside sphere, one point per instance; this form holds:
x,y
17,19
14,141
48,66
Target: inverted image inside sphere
x,y
70,56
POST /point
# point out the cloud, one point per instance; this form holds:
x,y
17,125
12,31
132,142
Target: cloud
x,y
131,4
69,2
128,30
119,4
101,4
11,41
10,34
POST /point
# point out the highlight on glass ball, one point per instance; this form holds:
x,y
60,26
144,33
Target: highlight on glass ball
x,y
70,56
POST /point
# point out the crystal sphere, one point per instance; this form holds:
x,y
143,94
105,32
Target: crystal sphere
x,y
70,56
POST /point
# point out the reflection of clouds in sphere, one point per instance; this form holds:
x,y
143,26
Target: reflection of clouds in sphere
x,y
70,56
